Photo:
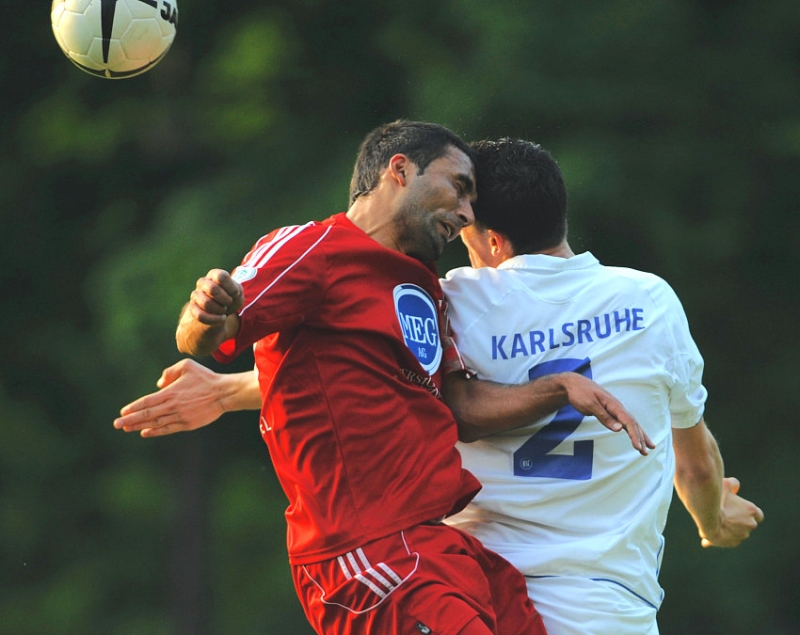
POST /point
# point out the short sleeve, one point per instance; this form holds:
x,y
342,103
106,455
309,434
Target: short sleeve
x,y
687,395
283,277
452,362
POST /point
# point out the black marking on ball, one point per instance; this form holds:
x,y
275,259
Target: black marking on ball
x,y
107,10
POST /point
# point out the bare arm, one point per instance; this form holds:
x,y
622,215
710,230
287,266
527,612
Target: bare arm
x,y
482,408
209,318
723,518
191,396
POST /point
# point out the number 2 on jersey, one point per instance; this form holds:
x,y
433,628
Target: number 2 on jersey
x,y
533,458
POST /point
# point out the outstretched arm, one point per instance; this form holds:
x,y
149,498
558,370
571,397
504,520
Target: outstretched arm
x,y
191,396
723,518
482,407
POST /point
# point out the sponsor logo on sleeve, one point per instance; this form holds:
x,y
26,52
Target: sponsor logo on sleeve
x,y
243,274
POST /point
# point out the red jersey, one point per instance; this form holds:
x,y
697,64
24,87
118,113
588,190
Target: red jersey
x,y
348,353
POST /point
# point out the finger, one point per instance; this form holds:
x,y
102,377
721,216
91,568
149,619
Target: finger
x,y
225,280
641,441
201,301
149,421
151,417
648,442
607,419
135,421
758,515
223,290
623,420
120,423
214,317
636,437
134,406
162,431
145,403
128,425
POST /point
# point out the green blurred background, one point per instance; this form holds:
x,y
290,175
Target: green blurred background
x,y
677,125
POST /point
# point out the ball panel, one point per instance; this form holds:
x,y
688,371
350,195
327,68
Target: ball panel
x,y
122,19
76,6
139,38
123,74
143,8
75,32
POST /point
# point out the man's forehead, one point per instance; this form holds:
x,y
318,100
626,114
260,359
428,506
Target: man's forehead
x,y
460,155
457,160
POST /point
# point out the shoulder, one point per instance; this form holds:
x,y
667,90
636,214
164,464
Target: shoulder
x,y
643,278
469,279
289,234
472,293
654,287
650,282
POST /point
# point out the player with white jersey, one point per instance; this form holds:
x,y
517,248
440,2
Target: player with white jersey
x,y
542,483
564,500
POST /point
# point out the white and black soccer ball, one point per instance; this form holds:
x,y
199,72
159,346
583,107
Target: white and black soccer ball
x,y
114,38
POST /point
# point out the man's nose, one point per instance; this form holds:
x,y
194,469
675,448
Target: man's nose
x,y
465,214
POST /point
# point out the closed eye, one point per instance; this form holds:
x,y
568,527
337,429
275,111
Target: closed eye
x,y
465,186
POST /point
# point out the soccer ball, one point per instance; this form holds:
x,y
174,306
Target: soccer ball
x,y
114,38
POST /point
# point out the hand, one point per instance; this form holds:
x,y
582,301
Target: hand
x,y
738,518
215,297
592,400
211,315
187,400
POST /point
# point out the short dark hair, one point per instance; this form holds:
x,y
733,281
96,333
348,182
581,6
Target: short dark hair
x,y
420,141
521,194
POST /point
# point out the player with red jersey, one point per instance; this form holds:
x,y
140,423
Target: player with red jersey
x,y
346,319
348,352
362,444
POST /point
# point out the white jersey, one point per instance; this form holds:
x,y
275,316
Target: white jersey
x,y
564,496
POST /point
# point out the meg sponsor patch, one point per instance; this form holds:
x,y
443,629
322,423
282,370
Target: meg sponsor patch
x,y
419,322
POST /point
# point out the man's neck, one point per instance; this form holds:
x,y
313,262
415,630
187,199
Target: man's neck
x,y
362,214
562,250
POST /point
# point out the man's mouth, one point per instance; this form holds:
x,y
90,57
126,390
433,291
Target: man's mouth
x,y
450,231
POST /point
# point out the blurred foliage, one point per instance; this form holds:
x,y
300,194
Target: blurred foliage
x,y
677,125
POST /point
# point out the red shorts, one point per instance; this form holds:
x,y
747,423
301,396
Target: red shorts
x,y
430,579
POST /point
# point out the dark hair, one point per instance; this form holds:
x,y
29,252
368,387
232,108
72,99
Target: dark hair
x,y
419,141
521,194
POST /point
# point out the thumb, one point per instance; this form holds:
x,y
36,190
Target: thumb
x,y
731,484
168,376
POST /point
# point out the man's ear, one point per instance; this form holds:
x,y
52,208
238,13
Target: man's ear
x,y
499,246
399,168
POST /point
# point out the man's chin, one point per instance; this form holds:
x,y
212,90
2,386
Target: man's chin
x,y
428,256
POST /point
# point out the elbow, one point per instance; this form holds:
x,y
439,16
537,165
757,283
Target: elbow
x,y
182,348
697,475
183,344
467,434
457,393
470,427
189,346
